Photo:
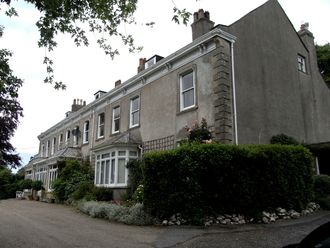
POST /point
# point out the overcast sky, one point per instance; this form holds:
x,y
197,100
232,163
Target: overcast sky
x,y
88,70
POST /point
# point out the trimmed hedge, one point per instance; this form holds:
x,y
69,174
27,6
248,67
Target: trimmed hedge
x,y
206,179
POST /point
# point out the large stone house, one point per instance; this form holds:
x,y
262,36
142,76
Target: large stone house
x,y
253,79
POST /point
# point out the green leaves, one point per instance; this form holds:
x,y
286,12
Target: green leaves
x,y
203,179
181,14
323,61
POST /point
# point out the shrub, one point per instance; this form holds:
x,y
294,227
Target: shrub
x,y
26,184
102,193
203,179
283,139
322,190
82,190
70,178
322,185
199,133
134,215
37,185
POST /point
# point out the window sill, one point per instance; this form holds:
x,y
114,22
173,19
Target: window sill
x,y
133,127
85,143
187,110
99,138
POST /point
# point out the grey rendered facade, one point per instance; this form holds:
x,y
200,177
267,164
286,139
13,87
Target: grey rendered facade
x,y
251,80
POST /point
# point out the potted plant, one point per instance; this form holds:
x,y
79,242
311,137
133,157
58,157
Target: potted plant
x,y
37,185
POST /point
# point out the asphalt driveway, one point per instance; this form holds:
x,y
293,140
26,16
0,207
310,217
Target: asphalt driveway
x,y
36,224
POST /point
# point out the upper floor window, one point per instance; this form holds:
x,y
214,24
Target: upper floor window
x,y
187,90
47,148
100,130
67,137
135,107
53,146
86,131
42,152
60,140
116,119
75,133
301,64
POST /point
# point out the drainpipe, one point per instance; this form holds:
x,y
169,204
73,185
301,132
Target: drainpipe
x,y
234,91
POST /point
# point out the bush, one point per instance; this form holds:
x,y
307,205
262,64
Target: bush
x,y
283,139
134,215
37,185
83,190
203,179
322,190
26,184
70,178
102,193
322,185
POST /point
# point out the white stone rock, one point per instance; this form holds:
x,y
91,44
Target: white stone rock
x,y
265,220
165,222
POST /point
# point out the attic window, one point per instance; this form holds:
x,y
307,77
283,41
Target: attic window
x,y
153,60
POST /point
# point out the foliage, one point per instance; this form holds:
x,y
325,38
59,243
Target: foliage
x,y
82,190
199,133
107,17
26,184
322,185
9,184
10,110
323,61
134,215
135,175
102,193
37,185
203,179
139,193
283,139
70,178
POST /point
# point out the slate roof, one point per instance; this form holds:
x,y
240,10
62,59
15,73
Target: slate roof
x,y
67,152
125,138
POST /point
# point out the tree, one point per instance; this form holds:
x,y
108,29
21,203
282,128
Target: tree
x,y
10,109
323,60
101,16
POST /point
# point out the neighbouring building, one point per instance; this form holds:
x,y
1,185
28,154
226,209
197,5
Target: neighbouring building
x,y
253,79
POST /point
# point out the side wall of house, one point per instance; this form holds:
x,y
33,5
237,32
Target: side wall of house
x,y
273,96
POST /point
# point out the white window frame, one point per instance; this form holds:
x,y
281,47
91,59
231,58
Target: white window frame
x,y
86,132
301,63
107,168
135,112
40,174
53,146
60,141
53,173
184,91
75,137
42,152
47,148
67,137
115,119
28,175
100,126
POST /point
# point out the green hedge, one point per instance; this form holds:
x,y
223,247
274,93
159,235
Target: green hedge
x,y
200,180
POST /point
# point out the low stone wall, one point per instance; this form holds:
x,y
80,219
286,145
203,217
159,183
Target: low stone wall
x,y
235,219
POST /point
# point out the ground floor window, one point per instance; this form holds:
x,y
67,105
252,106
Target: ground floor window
x,y
52,175
40,174
28,175
110,167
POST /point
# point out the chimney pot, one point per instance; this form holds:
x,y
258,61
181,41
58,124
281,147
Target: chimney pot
x,y
84,103
200,13
74,101
117,83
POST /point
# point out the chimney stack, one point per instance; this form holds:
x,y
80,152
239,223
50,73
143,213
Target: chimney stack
x,y
141,64
202,24
77,104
